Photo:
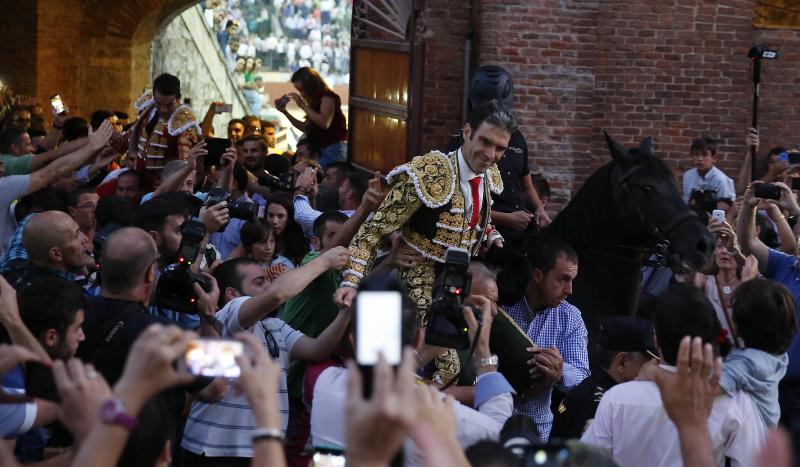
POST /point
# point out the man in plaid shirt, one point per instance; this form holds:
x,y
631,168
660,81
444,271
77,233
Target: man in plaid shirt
x,y
560,358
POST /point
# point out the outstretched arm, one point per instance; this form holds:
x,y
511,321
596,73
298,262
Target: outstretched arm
x,y
289,284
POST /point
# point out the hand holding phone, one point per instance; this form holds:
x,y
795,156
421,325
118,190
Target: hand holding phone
x,y
718,214
57,104
379,328
222,108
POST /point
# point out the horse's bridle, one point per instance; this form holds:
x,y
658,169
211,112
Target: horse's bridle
x,y
664,258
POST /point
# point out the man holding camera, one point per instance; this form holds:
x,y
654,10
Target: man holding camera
x,y
438,201
164,219
117,316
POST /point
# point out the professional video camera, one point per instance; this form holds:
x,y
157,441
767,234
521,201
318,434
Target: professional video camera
x,y
446,324
245,210
174,289
283,183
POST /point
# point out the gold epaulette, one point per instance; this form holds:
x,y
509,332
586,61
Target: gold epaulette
x,y
144,102
494,179
181,120
433,176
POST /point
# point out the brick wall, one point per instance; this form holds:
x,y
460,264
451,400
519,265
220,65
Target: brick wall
x,y
18,45
95,53
671,70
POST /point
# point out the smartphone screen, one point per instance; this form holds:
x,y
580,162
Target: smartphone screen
x,y
379,318
215,358
57,103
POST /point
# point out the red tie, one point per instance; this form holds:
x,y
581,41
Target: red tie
x,y
475,183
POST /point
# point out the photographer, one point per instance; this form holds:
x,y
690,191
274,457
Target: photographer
x,y
213,431
328,382
164,220
119,314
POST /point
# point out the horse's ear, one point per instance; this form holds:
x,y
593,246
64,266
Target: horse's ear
x,y
618,152
646,147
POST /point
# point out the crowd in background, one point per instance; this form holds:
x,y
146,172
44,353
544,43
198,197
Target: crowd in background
x,y
285,35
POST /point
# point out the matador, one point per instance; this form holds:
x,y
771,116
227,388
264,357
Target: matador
x,y
438,201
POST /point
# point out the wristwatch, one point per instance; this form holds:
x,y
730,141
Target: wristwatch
x,y
112,411
491,360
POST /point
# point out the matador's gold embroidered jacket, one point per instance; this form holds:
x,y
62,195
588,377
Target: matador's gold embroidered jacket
x,y
169,140
427,205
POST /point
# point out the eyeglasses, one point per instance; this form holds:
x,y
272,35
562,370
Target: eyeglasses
x,y
87,206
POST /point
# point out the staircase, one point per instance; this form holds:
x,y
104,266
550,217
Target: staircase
x,y
187,47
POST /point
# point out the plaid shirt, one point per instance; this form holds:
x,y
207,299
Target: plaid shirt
x,y
16,250
563,328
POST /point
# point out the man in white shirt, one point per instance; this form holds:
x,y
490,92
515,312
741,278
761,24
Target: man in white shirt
x,y
631,422
493,394
222,430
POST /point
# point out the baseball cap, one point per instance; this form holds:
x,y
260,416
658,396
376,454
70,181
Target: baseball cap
x,y
628,334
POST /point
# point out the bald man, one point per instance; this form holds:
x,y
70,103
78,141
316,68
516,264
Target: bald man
x,y
56,247
117,316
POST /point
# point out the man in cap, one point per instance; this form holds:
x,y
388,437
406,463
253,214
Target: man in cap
x,y
624,345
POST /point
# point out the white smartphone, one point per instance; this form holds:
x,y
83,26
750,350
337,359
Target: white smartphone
x,y
58,104
379,327
212,357
718,214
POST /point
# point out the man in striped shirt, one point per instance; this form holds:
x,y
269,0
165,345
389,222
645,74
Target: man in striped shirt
x,y
219,434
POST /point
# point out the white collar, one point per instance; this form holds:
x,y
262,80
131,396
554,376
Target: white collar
x,y
464,172
670,368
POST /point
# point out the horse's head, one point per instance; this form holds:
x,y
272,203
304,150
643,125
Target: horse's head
x,y
648,193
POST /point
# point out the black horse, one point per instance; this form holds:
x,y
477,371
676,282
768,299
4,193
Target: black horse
x,y
629,208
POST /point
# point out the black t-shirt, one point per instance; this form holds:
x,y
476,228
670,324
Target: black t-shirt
x,y
513,167
111,327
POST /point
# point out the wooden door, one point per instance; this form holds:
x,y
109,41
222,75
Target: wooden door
x,y
386,62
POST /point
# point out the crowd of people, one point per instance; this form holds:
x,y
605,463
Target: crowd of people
x,y
127,246
285,35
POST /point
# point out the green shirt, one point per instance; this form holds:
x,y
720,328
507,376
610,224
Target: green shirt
x,y
16,165
311,312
